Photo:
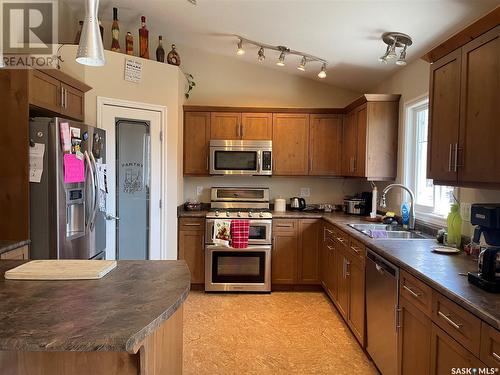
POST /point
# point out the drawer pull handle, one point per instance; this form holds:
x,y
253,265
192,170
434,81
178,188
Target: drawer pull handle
x,y
414,294
328,230
329,247
496,356
447,318
191,224
284,226
356,249
340,239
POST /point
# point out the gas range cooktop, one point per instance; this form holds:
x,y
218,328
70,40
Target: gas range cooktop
x,y
239,214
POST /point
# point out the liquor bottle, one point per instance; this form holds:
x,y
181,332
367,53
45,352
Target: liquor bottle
x,y
160,52
143,39
79,32
173,57
129,44
115,32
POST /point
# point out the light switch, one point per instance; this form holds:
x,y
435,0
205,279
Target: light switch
x,y
305,192
199,190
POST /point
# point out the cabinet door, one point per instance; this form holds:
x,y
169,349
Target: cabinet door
x,y
191,249
257,126
349,143
444,109
285,252
196,139
45,91
74,102
333,271
325,145
478,153
343,282
290,144
356,311
361,121
16,254
225,125
323,257
447,354
490,345
414,340
308,261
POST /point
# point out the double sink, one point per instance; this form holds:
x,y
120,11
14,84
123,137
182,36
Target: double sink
x,y
387,232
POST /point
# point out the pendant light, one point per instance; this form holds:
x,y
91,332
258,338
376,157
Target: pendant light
x,y
90,50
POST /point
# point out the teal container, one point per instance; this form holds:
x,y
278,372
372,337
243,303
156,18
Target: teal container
x,y
454,226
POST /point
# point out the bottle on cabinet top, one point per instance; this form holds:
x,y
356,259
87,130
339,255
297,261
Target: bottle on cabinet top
x,y
160,52
115,32
129,44
173,57
79,32
143,39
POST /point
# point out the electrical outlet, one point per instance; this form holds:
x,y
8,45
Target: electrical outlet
x,y
305,192
465,211
199,190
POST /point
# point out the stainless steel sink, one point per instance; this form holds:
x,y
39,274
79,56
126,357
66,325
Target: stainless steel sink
x,y
387,232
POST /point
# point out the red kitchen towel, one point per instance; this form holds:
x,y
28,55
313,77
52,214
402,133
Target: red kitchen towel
x,y
239,233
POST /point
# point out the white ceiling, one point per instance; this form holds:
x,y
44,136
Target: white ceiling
x,y
345,33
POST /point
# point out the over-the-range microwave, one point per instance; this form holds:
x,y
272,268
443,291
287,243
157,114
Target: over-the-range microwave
x,y
228,157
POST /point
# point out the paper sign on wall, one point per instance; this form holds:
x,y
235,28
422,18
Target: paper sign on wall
x,y
74,169
36,162
133,70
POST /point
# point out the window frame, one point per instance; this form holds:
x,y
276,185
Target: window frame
x,y
411,108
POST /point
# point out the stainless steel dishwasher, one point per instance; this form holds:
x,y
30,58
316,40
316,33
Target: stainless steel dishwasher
x,y
382,305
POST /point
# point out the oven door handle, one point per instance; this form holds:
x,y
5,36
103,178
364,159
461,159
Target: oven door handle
x,y
250,248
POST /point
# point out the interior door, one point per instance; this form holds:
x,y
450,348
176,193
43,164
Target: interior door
x,y
133,157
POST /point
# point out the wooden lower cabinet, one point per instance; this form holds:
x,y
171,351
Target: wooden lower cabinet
x,y
331,276
356,316
308,259
447,354
192,247
284,258
343,282
20,253
490,345
414,340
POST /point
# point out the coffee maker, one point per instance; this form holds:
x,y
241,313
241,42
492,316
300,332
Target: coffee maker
x,y
486,217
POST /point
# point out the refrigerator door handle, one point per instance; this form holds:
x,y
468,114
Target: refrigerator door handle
x,y
96,191
87,159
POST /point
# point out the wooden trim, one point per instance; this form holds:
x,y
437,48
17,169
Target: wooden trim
x,y
472,31
359,101
67,79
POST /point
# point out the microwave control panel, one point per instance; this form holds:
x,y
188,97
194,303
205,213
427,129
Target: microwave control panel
x,y
266,161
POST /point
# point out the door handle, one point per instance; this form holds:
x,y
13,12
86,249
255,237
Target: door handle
x,y
449,320
347,268
414,294
87,159
111,217
241,130
62,97
449,158
65,98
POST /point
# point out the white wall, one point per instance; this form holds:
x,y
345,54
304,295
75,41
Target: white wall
x,y
412,82
160,85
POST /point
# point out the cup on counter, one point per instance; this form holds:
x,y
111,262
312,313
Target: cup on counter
x,y
280,205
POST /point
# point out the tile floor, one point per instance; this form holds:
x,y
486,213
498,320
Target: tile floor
x,y
278,333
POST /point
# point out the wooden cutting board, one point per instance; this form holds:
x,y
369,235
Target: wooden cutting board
x,y
61,269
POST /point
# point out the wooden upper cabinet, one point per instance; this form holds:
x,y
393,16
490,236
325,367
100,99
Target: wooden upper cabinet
x,y
44,91
325,145
290,144
257,126
225,126
478,152
349,143
196,139
444,109
73,102
360,120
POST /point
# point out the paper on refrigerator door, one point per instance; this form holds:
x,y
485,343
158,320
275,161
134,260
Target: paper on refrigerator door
x,y
36,162
102,185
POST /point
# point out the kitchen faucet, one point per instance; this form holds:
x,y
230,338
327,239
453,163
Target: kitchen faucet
x,y
383,202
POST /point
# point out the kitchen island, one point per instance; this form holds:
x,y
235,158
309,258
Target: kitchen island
x,y
128,322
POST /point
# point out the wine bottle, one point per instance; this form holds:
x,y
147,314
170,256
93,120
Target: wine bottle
x,y
160,52
143,39
115,32
79,32
129,43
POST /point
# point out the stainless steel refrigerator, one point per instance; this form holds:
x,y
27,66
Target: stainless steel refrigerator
x,y
65,218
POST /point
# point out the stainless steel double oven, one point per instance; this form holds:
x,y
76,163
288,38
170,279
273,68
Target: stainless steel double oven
x,y
249,269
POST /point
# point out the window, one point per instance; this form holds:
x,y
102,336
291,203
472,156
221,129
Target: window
x,y
432,202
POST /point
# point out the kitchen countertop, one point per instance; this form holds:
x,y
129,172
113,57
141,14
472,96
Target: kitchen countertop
x,y
114,313
8,245
439,271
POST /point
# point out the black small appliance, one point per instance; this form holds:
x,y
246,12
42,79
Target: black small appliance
x,y
297,204
486,217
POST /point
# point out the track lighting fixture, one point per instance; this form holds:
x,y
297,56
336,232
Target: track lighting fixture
x,y
240,51
302,65
281,59
322,73
395,40
261,55
283,52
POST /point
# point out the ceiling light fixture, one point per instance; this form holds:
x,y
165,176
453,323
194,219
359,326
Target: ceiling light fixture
x,y
193,2
90,49
322,73
261,57
283,52
302,65
395,40
240,51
